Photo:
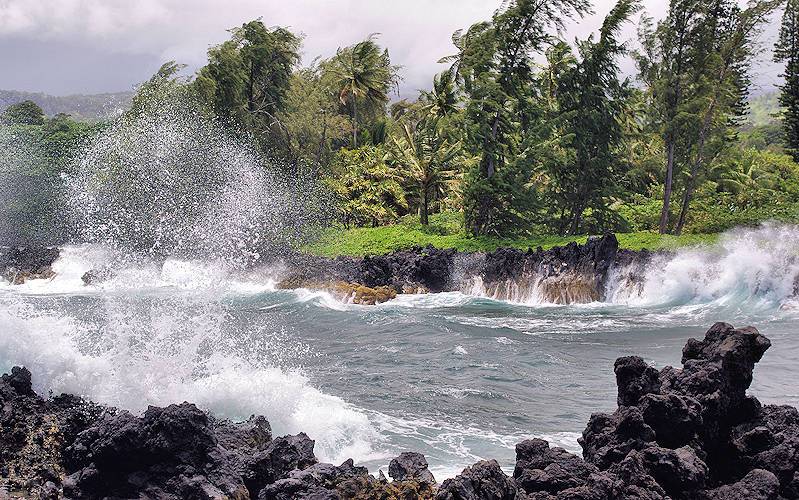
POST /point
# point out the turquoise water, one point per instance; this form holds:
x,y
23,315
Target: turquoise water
x,y
457,376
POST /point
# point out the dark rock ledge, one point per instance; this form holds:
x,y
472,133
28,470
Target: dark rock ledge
x,y
566,274
689,433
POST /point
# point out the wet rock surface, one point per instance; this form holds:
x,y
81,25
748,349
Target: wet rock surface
x,y
565,274
689,433
19,264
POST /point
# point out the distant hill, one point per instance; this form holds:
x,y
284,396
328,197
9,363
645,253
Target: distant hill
x,y
87,108
762,108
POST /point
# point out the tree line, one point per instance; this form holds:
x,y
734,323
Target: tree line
x,y
524,132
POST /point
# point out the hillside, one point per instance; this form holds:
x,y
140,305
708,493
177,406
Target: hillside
x,y
88,108
762,109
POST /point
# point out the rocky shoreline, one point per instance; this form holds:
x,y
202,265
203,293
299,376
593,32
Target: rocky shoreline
x,y
567,274
690,433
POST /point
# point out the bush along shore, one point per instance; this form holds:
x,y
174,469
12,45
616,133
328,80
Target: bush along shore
x,y
690,433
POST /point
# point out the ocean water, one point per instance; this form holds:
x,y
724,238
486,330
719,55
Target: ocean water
x,y
457,376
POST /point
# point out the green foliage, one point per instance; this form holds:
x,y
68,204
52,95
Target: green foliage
x,y
363,75
368,189
753,171
33,159
83,108
764,109
428,163
494,67
246,82
769,137
446,231
23,113
592,102
312,118
787,50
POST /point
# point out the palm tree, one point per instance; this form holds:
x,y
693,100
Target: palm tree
x,y
428,161
442,100
362,72
745,174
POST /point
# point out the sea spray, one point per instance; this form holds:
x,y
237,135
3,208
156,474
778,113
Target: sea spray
x,y
161,349
165,180
748,267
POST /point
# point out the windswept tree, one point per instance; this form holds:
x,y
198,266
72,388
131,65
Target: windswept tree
x,y
312,116
787,51
667,65
732,43
594,100
494,68
247,78
363,76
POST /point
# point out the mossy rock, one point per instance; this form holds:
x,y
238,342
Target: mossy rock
x,y
348,292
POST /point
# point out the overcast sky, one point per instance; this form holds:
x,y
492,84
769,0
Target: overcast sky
x,y
89,46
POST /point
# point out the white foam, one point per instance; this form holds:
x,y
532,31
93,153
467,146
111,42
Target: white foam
x,y
755,267
127,367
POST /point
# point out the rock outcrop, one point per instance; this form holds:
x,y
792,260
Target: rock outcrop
x,y
689,433
25,263
69,448
565,274
418,270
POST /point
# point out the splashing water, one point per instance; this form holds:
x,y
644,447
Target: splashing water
x,y
751,268
180,211
165,180
754,267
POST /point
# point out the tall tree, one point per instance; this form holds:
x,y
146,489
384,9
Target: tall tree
x,y
667,65
247,78
313,117
787,51
732,41
594,99
363,72
494,67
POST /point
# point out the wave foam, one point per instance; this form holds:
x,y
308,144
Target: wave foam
x,y
125,366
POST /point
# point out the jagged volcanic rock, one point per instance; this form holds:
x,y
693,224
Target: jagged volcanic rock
x,y
570,273
690,433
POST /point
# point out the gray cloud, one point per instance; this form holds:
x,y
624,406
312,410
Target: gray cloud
x,y
82,46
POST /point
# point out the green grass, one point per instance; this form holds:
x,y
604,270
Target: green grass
x,y
444,231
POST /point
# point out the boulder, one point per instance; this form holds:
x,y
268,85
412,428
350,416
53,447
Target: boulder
x,y
483,480
410,466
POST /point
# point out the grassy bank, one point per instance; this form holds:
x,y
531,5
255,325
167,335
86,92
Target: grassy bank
x,y
444,231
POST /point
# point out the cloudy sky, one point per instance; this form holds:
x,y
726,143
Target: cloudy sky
x,y
89,46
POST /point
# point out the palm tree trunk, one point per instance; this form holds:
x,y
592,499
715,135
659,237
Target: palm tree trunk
x,y
423,217
664,214
354,122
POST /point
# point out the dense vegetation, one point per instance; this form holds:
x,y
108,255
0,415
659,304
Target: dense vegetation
x,y
521,135
85,108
